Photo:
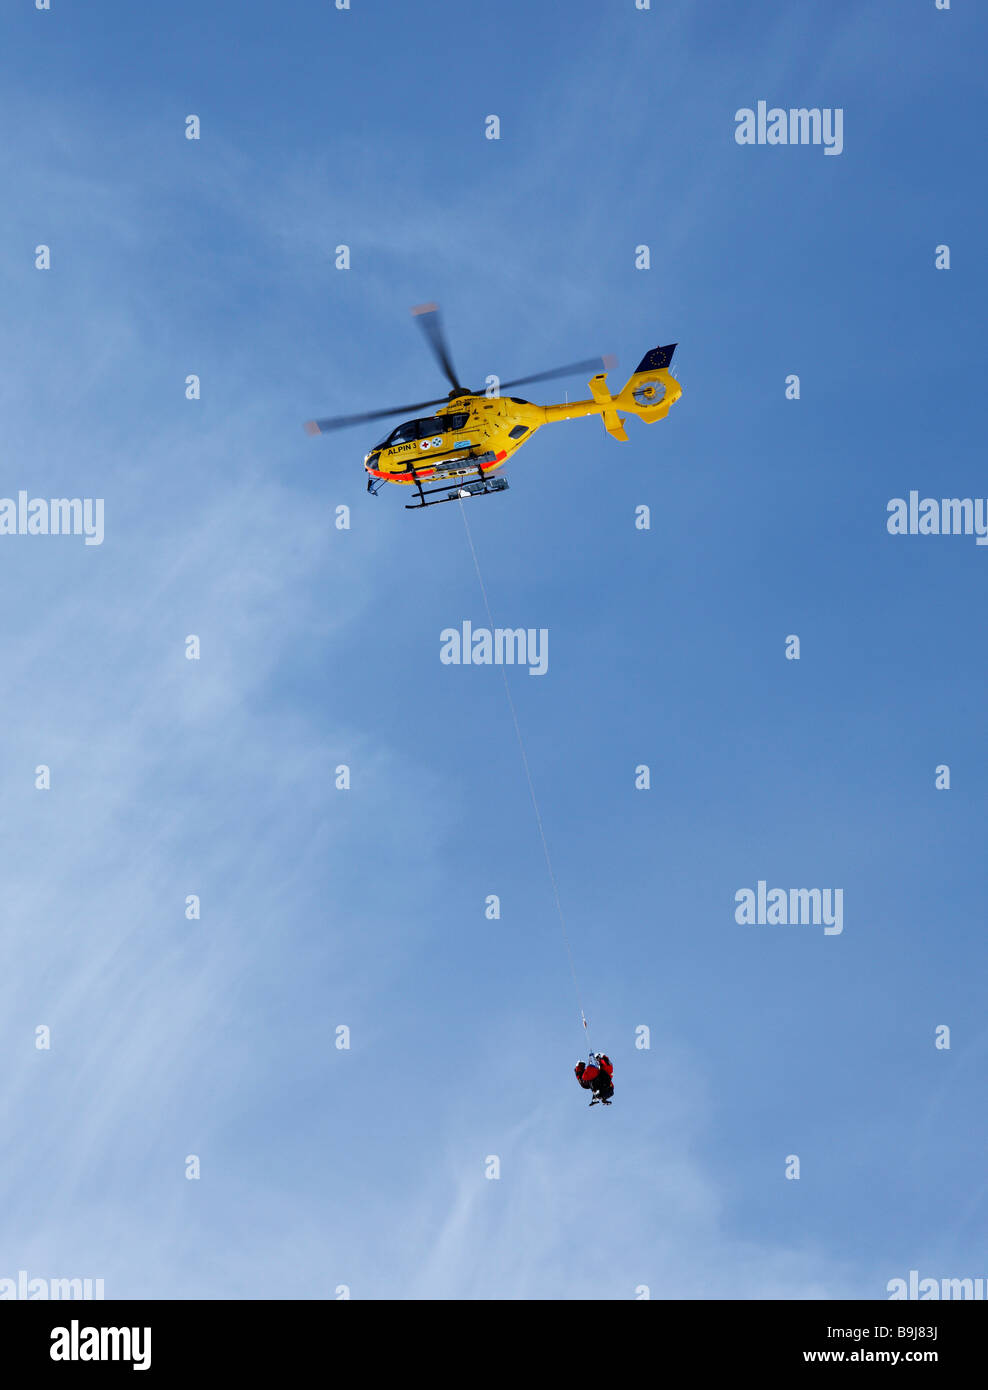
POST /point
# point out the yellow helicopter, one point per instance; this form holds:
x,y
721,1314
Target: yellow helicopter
x,y
473,433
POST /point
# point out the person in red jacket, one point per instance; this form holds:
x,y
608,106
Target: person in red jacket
x,y
595,1076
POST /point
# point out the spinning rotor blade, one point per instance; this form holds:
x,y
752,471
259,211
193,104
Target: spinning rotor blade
x,y
592,364
431,324
428,317
340,422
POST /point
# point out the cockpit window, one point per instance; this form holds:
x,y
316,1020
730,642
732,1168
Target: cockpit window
x,y
422,429
404,433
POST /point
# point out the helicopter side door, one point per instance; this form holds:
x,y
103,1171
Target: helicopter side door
x,y
454,445
459,431
431,439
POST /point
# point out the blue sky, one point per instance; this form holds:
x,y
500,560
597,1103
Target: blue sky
x,y
365,908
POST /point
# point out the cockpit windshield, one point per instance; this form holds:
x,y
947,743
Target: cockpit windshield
x,y
423,429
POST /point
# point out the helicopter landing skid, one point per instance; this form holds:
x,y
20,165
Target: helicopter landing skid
x,y
463,487
467,487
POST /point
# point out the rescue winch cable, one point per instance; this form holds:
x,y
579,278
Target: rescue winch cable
x,y
528,778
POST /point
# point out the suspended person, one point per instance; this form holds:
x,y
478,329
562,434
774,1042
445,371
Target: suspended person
x,y
595,1076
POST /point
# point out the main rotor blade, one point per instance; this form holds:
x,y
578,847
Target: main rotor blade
x,y
431,325
340,422
592,364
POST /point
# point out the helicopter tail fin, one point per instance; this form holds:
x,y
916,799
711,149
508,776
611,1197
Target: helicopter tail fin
x,y
613,423
651,389
614,426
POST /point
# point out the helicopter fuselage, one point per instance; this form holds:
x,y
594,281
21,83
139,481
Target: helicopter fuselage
x,y
442,445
